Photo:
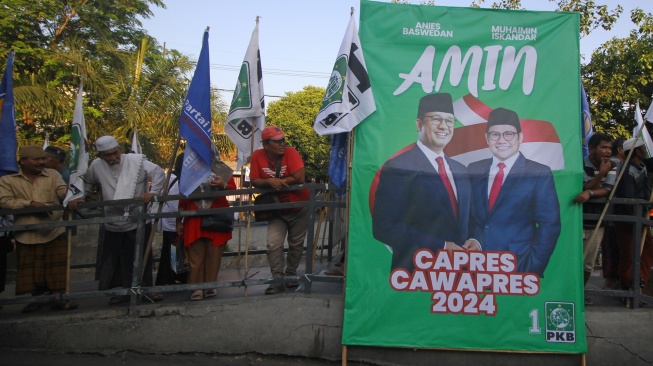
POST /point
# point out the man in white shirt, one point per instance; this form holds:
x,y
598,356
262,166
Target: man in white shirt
x,y
122,176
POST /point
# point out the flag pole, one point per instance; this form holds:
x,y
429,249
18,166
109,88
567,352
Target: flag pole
x,y
241,184
327,212
69,231
350,150
249,216
164,193
249,222
350,155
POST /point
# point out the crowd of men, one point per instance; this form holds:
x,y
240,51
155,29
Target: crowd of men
x,y
506,202
606,159
42,254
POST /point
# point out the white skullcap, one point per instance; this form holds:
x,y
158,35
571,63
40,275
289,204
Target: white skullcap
x,y
633,143
105,143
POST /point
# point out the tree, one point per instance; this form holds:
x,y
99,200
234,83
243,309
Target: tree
x,y
129,80
619,75
295,114
592,16
56,42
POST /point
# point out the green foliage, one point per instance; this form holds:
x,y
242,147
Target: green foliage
x,y
619,75
592,16
129,80
295,114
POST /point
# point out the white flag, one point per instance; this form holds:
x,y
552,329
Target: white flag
x,y
78,153
136,146
46,142
348,98
649,113
640,124
246,117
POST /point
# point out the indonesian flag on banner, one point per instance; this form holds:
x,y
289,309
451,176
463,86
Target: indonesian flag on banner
x,y
645,135
136,146
195,124
8,140
78,153
348,98
246,117
541,142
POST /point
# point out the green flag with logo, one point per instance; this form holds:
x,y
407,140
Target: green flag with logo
x,y
78,153
246,117
463,231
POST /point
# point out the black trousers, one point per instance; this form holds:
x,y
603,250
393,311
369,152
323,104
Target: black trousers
x,y
165,275
5,247
117,259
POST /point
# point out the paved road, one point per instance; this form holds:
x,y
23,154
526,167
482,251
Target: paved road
x,y
28,358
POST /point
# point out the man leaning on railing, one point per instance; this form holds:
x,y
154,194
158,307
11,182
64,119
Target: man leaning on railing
x,y
122,176
278,166
42,253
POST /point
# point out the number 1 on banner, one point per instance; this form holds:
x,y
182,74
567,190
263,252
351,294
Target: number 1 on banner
x,y
535,326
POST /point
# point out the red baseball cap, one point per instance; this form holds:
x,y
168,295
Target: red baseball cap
x,y
272,133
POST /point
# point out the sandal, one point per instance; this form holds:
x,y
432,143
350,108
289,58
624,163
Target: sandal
x,y
197,295
63,305
210,293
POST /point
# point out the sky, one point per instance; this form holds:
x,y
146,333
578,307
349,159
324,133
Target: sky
x,y
298,39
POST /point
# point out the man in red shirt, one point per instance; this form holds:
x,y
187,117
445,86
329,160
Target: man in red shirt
x,y
278,166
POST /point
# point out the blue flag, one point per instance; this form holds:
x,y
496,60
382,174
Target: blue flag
x,y
586,120
195,125
8,140
338,162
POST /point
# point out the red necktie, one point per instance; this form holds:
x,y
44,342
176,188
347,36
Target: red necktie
x,y
447,184
496,185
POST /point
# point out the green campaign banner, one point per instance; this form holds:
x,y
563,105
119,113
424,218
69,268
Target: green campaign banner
x,y
463,231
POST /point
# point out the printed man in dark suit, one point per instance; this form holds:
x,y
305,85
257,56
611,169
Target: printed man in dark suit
x,y
420,197
515,205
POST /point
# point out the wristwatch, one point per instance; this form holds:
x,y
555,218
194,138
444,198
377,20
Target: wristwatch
x,y
590,192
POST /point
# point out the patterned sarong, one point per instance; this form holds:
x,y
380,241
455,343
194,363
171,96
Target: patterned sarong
x,y
42,266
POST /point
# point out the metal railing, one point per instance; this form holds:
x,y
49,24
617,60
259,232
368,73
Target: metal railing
x,y
641,223
141,219
306,281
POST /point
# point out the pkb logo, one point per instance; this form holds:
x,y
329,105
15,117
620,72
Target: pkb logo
x,y
560,322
